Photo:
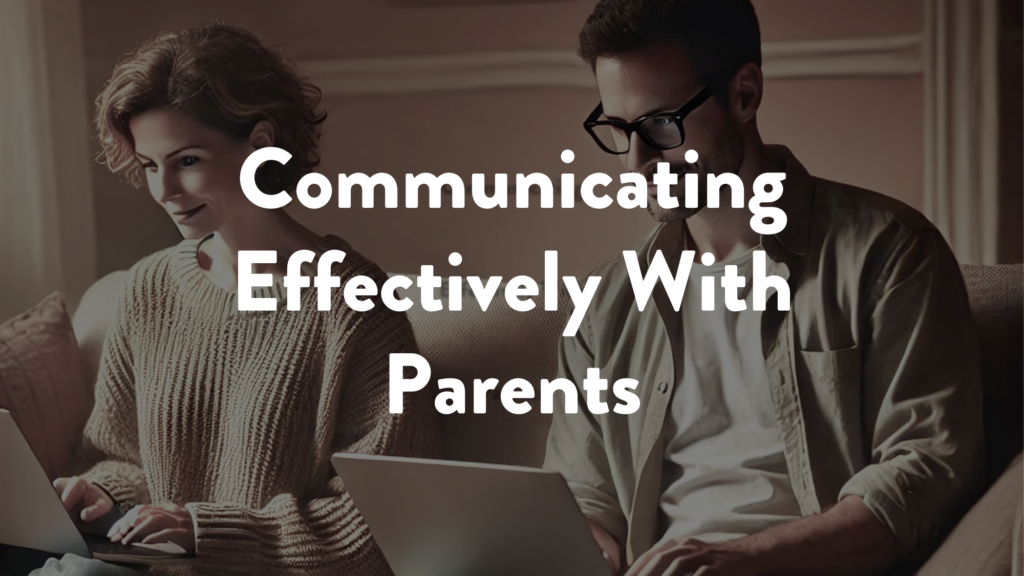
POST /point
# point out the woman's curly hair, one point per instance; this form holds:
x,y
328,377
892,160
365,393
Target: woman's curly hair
x,y
224,77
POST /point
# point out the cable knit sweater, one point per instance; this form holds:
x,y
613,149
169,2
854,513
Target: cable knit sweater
x,y
235,415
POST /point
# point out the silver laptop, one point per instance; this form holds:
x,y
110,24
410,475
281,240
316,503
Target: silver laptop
x,y
32,515
442,518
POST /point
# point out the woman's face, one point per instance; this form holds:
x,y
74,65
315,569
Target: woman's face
x,y
191,169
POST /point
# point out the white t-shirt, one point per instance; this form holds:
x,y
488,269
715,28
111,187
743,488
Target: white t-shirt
x,y
725,473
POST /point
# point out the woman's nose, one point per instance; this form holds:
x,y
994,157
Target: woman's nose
x,y
164,187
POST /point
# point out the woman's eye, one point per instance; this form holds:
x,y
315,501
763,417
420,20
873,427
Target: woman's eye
x,y
188,161
149,167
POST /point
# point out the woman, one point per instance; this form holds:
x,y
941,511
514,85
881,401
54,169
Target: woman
x,y
214,427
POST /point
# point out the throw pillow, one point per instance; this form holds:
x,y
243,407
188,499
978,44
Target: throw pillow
x,y
43,384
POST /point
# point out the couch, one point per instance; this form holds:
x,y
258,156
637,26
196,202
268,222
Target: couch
x,y
505,344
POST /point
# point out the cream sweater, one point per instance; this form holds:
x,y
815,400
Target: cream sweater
x,y
236,414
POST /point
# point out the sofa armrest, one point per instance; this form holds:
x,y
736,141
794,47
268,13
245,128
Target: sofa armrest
x,y
986,542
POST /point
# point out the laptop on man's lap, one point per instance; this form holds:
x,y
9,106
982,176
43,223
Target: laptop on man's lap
x,y
444,518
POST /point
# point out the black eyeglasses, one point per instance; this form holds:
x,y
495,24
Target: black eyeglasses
x,y
662,131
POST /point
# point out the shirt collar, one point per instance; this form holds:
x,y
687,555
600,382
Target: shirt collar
x,y
797,196
795,202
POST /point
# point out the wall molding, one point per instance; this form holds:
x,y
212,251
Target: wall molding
x,y
879,56
407,74
873,56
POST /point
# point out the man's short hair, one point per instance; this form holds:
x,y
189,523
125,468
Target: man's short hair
x,y
720,36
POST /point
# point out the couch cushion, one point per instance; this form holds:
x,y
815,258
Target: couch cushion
x,y
996,295
43,384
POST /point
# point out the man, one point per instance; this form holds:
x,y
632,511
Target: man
x,y
841,437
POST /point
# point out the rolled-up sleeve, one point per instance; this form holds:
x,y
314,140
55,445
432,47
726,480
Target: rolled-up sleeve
x,y
922,394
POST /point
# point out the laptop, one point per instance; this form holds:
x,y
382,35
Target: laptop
x,y
32,515
443,518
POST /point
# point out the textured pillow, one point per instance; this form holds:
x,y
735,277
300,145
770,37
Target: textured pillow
x,y
43,384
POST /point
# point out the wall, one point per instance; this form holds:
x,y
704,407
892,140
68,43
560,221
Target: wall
x,y
47,239
865,129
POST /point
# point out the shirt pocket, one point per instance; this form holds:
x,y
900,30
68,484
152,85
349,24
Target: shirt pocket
x,y
834,366
832,408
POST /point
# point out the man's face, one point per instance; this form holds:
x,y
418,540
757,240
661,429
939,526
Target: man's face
x,y
661,79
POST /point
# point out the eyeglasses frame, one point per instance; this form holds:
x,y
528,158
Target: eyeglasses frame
x,y
629,127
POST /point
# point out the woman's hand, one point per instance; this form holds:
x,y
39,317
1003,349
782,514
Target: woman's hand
x,y
154,524
85,500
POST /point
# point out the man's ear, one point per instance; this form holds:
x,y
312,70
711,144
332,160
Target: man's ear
x,y
745,92
262,135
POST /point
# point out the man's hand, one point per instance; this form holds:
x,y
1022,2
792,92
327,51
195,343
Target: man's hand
x,y
609,547
685,556
845,540
84,500
155,524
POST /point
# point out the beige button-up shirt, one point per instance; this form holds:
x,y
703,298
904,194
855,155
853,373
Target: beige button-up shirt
x,y
874,372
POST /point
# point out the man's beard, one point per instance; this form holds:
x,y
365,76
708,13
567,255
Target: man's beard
x,y
727,156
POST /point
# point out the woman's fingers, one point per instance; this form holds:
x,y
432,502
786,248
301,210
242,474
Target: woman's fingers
x,y
116,529
74,490
154,524
147,525
101,506
166,535
122,526
142,521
